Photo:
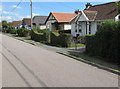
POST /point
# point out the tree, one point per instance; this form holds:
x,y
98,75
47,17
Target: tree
x,y
118,7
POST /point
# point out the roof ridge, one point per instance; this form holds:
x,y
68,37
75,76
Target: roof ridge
x,y
104,3
63,12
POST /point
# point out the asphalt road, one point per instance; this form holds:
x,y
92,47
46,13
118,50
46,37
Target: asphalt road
x,y
25,65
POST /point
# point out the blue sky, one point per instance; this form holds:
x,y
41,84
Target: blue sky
x,y
39,8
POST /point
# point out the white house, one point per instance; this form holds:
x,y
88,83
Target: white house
x,y
88,20
59,21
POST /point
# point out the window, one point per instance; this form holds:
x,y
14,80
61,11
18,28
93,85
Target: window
x,y
80,26
89,27
75,27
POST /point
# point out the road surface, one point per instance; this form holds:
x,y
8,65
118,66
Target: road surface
x,y
25,65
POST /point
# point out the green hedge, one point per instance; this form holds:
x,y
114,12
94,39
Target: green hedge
x,y
51,38
39,36
106,42
62,40
22,32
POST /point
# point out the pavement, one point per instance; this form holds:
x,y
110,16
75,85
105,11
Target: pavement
x,y
26,65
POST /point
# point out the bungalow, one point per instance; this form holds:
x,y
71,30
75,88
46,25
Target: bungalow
x,y
88,20
17,24
59,21
39,22
26,23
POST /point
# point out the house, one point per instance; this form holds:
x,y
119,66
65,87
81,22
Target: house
x,y
59,21
88,20
39,22
17,24
26,23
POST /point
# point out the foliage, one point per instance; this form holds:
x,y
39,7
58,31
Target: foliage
x,y
7,27
105,42
22,32
52,38
38,35
62,40
118,7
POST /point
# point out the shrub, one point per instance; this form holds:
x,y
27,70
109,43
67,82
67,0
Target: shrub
x,y
39,36
105,43
62,40
22,32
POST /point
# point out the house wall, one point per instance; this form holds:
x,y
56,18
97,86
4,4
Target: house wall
x,y
67,27
75,26
75,29
42,26
49,23
117,17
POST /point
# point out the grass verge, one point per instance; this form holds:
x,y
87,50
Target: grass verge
x,y
99,65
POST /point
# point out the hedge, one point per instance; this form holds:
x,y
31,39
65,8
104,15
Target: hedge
x,y
106,42
22,32
62,40
51,38
39,36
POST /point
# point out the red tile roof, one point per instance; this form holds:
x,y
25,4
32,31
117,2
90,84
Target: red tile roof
x,y
16,22
27,21
63,17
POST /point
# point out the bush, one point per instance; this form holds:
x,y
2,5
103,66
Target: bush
x,y
52,38
13,31
65,31
62,40
106,42
22,32
39,35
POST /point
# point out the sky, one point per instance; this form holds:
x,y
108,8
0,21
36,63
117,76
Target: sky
x,y
11,12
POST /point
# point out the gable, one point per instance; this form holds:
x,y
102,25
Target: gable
x,y
105,11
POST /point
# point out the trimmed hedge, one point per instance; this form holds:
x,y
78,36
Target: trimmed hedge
x,y
22,32
39,36
52,38
106,42
62,40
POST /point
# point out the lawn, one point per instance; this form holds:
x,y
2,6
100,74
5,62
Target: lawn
x,y
77,45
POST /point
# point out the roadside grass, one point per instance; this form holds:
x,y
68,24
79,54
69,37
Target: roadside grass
x,y
77,45
92,62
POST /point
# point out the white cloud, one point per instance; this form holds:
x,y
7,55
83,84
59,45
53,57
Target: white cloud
x,y
6,12
7,18
15,6
10,13
35,14
27,16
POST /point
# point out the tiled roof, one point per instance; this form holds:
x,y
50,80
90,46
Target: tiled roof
x,y
63,17
39,19
104,11
16,23
27,21
91,15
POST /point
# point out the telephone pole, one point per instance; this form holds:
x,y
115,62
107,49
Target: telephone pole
x,y
31,12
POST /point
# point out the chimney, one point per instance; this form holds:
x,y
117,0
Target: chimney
x,y
88,5
77,11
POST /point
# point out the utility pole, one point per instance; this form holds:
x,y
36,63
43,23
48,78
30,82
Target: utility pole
x,y
31,12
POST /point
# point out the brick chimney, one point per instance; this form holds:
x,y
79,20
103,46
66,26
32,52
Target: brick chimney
x,y
88,5
77,11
